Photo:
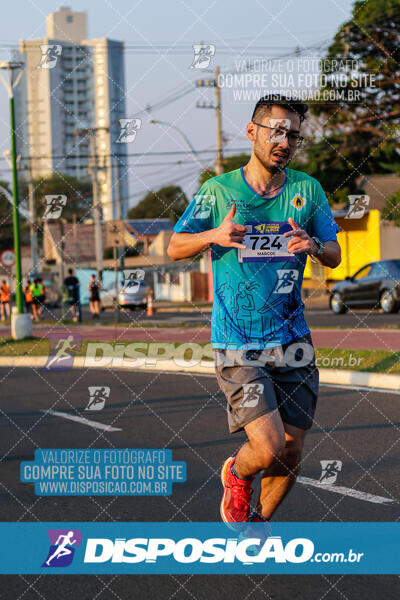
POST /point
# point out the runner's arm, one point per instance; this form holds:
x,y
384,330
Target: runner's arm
x,y
184,245
331,256
301,242
228,234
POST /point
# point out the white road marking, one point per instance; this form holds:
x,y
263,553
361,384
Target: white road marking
x,y
339,489
355,388
342,386
94,424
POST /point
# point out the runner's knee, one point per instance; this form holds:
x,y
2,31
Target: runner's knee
x,y
269,448
291,456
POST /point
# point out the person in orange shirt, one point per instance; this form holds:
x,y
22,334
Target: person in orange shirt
x,y
4,300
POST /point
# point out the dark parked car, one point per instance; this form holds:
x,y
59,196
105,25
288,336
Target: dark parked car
x,y
376,285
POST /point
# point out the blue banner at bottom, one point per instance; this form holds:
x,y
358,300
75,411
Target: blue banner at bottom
x,y
199,548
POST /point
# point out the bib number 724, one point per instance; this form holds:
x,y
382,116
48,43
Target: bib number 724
x,y
265,242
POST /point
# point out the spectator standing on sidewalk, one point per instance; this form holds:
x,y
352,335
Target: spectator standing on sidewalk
x,y
94,288
5,300
72,286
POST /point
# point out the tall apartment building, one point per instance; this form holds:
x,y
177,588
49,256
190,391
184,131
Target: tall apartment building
x,y
79,84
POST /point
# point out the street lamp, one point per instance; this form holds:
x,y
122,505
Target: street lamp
x,y
22,326
183,136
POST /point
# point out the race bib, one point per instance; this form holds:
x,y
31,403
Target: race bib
x,y
265,243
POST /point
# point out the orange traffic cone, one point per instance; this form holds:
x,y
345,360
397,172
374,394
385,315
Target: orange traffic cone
x,y
150,309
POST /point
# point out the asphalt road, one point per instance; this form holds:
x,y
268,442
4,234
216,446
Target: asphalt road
x,y
354,319
187,414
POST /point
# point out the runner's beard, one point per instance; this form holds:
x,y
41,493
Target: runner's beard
x,y
268,164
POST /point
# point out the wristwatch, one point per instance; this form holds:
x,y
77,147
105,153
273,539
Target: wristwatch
x,y
321,246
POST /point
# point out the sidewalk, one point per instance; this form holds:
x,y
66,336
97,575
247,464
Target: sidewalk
x,y
183,306
346,339
336,377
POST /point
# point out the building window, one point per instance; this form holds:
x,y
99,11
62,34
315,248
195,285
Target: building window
x,y
161,278
175,278
70,19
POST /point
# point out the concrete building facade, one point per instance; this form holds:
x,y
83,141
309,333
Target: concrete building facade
x,y
72,83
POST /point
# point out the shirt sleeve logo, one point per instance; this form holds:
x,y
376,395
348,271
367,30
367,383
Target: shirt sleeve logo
x,y
298,202
203,206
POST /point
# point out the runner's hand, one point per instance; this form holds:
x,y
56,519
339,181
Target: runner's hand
x,y
300,241
229,234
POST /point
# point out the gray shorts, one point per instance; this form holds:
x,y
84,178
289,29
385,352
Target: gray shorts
x,y
256,382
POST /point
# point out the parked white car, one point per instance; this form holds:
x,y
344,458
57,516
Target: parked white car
x,y
132,294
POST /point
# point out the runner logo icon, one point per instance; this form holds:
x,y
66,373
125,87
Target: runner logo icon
x,y
62,547
54,206
286,281
129,128
251,394
50,54
97,397
132,279
357,206
204,203
202,55
62,349
330,470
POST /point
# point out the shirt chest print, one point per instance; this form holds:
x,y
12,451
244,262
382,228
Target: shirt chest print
x,y
298,202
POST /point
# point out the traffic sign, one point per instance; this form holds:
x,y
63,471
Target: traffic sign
x,y
7,258
115,233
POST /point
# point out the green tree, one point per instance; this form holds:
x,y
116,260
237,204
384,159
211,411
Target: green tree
x,y
5,205
230,163
79,194
360,137
169,202
6,219
391,210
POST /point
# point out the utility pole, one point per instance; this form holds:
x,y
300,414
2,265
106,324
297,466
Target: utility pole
x,y
219,165
93,168
33,225
219,161
118,208
96,208
76,249
62,273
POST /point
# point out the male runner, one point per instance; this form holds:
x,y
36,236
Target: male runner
x,y
264,222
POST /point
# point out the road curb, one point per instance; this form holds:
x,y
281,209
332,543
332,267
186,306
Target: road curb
x,y
332,376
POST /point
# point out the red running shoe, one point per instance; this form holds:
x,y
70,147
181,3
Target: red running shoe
x,y
235,503
259,532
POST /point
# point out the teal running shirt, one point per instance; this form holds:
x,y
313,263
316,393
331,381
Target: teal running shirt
x,y
257,291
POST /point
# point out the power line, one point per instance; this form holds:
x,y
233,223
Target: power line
x,y
166,153
166,101
169,47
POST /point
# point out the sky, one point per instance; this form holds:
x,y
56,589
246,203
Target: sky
x,y
159,40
